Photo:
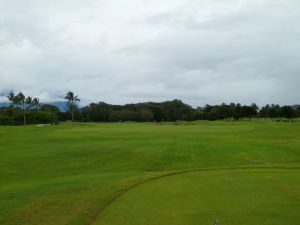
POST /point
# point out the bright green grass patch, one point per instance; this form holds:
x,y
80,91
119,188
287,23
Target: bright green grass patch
x,y
65,174
248,197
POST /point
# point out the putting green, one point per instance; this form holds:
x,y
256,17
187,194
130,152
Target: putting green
x,y
233,197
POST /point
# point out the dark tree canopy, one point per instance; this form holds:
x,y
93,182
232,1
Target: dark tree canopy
x,y
141,112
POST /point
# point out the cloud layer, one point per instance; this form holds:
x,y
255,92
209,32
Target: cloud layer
x,y
201,51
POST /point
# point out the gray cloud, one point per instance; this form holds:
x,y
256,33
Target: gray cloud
x,y
129,51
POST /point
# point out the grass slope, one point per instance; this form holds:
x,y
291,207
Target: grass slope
x,y
68,174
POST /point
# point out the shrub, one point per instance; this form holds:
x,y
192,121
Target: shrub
x,y
32,117
41,117
6,120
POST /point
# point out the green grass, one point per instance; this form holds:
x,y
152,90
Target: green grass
x,y
236,197
82,174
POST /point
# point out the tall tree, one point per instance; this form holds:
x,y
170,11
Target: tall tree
x,y
31,102
265,111
237,111
297,111
274,111
72,99
11,98
287,112
36,102
20,100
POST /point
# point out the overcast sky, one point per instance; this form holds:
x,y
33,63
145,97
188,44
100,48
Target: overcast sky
x,y
124,51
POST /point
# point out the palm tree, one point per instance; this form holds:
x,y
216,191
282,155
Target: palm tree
x,y
23,102
11,98
29,102
19,99
36,102
72,99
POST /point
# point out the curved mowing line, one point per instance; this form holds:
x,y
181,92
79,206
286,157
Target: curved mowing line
x,y
98,212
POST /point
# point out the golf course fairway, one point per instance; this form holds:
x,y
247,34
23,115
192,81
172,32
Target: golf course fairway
x,y
233,197
236,172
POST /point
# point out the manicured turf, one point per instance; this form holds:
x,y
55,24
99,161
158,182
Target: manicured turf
x,y
81,174
248,197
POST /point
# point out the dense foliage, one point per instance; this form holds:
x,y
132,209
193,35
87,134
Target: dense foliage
x,y
177,110
28,110
10,116
165,111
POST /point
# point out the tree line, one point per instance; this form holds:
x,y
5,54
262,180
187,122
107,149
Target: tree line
x,y
177,110
29,110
